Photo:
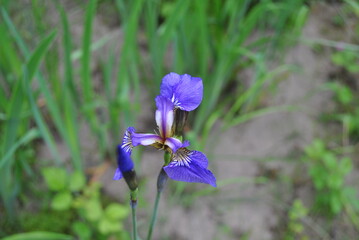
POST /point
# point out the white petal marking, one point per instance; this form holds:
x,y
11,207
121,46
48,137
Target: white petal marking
x,y
182,157
169,122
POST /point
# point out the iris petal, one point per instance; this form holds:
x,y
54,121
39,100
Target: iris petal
x,y
164,115
191,173
185,92
190,166
145,139
118,175
169,82
127,140
124,160
132,139
173,143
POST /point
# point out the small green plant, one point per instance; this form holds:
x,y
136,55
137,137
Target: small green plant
x,y
348,110
328,172
93,220
349,60
295,226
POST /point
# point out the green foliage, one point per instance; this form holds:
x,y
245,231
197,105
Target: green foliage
x,y
92,218
55,178
77,181
328,172
295,228
39,236
46,220
41,101
347,111
347,59
61,201
82,230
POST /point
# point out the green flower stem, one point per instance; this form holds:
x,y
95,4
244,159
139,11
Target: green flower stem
x,y
133,204
154,215
134,222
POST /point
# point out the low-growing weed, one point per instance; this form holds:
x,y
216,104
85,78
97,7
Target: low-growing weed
x,y
328,172
92,220
295,228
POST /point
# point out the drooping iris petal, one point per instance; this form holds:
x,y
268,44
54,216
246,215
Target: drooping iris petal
x,y
190,166
193,173
185,92
124,162
164,115
118,175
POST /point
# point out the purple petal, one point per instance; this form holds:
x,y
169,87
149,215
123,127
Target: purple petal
x,y
191,173
169,82
124,161
145,139
164,115
190,166
186,144
184,157
199,158
132,139
127,140
173,143
185,92
118,175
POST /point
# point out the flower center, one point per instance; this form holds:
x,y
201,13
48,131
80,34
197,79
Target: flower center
x,y
182,157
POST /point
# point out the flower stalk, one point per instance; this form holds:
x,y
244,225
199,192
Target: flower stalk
x,y
161,183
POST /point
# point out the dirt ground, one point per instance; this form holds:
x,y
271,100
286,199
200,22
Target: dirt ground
x,y
269,146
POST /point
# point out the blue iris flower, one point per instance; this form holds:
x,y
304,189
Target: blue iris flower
x,y
177,92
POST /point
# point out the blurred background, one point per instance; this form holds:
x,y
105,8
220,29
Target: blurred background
x,y
279,120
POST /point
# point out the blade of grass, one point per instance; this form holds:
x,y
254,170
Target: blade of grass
x,y
9,187
67,45
39,236
70,96
86,57
86,79
128,64
67,131
28,137
30,69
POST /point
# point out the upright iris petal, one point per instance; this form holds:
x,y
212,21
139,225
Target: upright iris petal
x,y
190,166
164,116
185,91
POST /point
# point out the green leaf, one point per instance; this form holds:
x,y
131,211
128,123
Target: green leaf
x,y
93,210
62,201
330,161
345,95
39,236
336,204
56,178
116,211
107,226
77,181
26,138
82,230
345,165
